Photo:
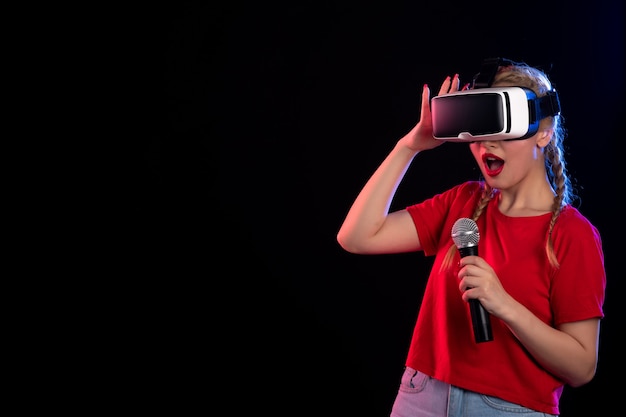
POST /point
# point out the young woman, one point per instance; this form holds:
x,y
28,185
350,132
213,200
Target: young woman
x,y
539,274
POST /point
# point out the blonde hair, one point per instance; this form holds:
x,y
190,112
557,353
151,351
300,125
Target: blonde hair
x,y
523,75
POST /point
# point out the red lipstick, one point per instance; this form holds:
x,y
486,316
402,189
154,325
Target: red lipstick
x,y
493,164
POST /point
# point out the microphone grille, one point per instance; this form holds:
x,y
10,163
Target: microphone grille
x,y
465,233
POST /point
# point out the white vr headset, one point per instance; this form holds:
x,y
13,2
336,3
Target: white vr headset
x,y
491,113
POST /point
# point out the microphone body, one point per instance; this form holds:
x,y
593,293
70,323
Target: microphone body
x,y
465,235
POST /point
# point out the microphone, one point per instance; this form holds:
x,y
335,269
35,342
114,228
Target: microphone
x,y
465,236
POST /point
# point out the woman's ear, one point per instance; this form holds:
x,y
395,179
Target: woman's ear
x,y
544,137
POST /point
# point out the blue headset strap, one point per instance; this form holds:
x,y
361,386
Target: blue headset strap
x,y
548,105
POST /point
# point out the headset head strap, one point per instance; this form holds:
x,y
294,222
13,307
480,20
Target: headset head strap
x,y
488,71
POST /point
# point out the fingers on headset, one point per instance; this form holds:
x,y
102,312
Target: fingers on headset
x,y
445,86
451,84
455,83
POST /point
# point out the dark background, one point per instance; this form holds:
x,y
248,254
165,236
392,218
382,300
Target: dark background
x,y
260,122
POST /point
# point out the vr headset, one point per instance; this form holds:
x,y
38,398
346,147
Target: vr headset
x,y
488,113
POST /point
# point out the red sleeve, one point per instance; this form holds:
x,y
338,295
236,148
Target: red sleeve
x,y
578,285
434,217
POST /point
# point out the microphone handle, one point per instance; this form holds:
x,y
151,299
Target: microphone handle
x,y
481,320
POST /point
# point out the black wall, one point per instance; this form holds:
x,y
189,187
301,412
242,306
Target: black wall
x,y
264,120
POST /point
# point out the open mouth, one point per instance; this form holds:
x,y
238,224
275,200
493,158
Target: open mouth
x,y
493,164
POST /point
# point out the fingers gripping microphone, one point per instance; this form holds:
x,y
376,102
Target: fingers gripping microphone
x,y
465,236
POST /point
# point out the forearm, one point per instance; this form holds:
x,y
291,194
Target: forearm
x,y
571,355
369,210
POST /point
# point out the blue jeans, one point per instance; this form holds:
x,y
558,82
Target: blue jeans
x,y
420,395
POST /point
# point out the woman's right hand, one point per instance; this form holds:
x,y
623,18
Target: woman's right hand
x,y
421,137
